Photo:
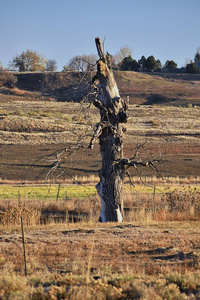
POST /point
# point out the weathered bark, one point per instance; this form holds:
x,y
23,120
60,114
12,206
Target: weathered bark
x,y
110,133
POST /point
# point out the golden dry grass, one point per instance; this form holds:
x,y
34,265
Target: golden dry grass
x,y
96,261
36,125
154,254
141,204
156,121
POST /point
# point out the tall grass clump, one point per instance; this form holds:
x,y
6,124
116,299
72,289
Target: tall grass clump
x,y
43,204
182,203
172,204
11,215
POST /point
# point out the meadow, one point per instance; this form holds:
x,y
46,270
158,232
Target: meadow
x,y
155,252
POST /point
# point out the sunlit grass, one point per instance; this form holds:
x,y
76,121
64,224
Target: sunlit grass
x,y
130,272
64,192
46,192
32,192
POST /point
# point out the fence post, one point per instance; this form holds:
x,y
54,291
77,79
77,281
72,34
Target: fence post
x,y
58,192
24,248
154,193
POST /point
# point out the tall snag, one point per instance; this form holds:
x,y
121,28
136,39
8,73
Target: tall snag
x,y
110,133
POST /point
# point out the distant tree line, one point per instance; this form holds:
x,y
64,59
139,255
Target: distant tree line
x,y
124,61
32,61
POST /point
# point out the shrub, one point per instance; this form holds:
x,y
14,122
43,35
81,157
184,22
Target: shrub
x,y
192,68
24,124
185,200
7,79
157,99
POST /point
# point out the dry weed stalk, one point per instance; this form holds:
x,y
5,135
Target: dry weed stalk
x,y
12,215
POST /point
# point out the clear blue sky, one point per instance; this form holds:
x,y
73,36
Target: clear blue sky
x,y
61,29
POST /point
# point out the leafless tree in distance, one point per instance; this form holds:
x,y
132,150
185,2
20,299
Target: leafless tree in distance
x,y
51,65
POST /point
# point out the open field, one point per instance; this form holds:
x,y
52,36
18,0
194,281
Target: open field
x,y
155,253
59,203
30,131
157,260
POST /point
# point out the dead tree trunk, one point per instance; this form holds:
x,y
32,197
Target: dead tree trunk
x,y
110,133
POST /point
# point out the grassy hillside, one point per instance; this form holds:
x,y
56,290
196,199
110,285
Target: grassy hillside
x,y
35,121
176,89
151,89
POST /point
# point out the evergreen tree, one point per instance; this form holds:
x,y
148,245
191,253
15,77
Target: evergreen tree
x,y
159,64
192,68
142,62
151,63
129,64
197,56
170,64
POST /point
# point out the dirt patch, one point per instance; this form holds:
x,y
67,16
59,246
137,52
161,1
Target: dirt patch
x,y
23,162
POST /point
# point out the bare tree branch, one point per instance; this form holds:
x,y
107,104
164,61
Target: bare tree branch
x,y
98,130
135,163
129,177
139,146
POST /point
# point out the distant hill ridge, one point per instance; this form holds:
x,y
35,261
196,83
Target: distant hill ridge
x,y
137,88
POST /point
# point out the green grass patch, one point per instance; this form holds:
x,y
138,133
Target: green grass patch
x,y
65,191
73,191
46,192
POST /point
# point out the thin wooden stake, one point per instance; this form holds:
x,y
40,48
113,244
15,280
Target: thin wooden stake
x,y
19,197
154,193
58,192
24,248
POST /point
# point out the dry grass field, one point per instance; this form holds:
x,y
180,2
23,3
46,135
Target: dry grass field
x,y
35,129
155,253
92,261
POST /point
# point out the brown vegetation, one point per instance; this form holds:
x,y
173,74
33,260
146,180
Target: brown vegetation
x,y
147,257
174,89
129,261
37,128
155,254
